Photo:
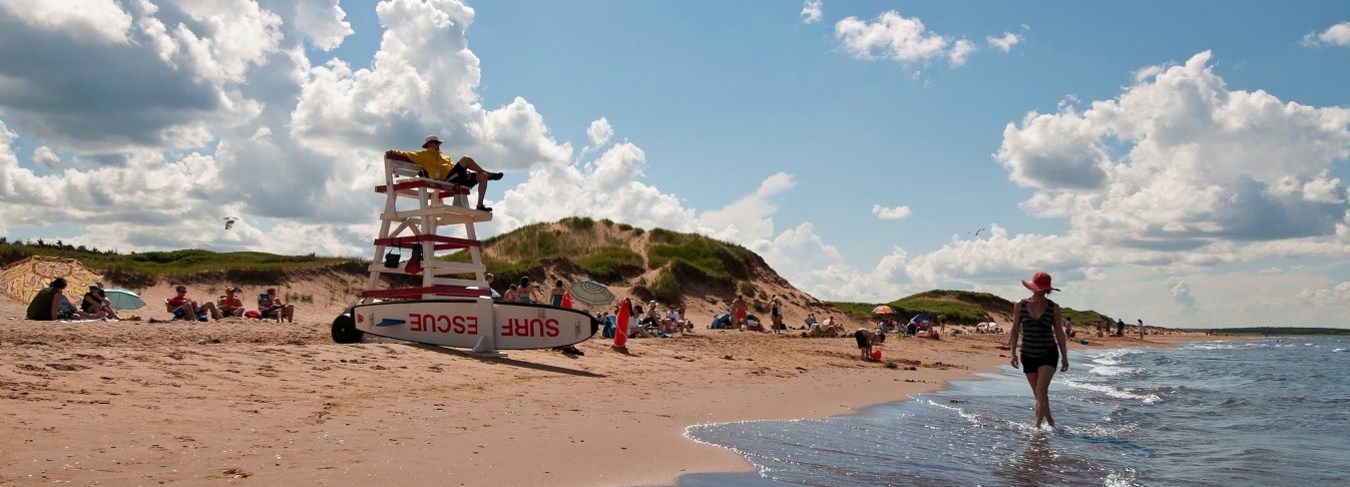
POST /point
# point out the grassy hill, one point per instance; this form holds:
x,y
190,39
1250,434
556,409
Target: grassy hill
x,y
961,307
142,269
659,264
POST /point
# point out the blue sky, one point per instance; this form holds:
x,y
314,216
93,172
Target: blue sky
x,y
1182,162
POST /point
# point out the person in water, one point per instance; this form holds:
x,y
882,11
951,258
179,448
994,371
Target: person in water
x,y
1043,343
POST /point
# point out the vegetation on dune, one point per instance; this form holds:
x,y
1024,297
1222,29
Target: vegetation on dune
x,y
143,269
961,307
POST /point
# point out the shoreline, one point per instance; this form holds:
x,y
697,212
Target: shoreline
x,y
750,475
137,403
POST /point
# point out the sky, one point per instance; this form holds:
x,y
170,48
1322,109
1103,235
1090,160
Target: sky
x,y
1183,163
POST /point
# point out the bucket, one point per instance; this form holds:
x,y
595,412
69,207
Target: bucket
x,y
876,354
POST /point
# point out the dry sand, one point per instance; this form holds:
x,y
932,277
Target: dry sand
x,y
242,401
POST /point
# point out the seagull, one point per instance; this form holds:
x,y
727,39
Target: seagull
x,y
977,232
229,221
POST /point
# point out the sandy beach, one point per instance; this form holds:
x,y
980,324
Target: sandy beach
x,y
140,403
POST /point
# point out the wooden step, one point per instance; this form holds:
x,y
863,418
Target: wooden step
x,y
418,292
442,242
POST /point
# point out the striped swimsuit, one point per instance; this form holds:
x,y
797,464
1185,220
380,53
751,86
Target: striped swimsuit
x,y
1038,337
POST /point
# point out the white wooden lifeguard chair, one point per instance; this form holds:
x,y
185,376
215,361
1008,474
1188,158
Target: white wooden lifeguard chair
x,y
437,206
452,305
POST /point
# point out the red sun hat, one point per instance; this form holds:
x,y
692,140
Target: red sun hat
x,y
1040,282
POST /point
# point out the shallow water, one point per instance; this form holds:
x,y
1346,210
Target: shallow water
x,y
1209,413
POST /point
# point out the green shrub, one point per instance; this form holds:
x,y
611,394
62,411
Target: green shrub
x,y
611,263
665,288
625,227
579,222
747,289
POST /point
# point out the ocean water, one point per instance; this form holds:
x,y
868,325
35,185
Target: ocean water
x,y
1222,413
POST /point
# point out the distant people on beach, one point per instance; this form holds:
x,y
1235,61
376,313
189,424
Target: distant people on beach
x,y
738,312
466,172
229,304
510,295
866,340
184,308
1068,327
557,293
1120,327
46,305
96,303
525,291
776,314
1043,343
1141,329
271,306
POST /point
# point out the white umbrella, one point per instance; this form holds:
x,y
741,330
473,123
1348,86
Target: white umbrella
x,y
591,292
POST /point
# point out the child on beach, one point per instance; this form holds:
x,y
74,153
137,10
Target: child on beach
x,y
866,340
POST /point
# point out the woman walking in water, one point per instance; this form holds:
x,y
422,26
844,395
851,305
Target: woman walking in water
x,y
1034,322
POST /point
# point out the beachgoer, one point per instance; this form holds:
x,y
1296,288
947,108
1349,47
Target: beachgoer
x,y
776,314
1043,343
439,166
1068,327
46,305
557,293
1141,329
510,295
272,307
488,277
230,304
866,339
1120,327
184,308
942,322
525,291
738,312
96,303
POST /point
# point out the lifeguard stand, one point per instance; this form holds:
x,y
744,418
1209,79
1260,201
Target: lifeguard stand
x,y
432,207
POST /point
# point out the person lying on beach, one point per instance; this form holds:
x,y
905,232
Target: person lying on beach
x,y
866,339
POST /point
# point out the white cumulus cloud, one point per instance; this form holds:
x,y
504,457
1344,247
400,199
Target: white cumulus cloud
x,y
1004,43
1336,35
812,11
895,37
893,213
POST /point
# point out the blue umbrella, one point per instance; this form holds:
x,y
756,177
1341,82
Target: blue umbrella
x,y
124,299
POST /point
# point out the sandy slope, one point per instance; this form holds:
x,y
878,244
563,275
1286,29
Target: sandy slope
x,y
133,403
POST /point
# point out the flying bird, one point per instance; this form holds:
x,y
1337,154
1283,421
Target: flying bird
x,y
229,221
977,232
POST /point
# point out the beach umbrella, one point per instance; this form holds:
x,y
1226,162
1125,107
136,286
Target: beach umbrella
x,y
591,292
22,280
124,299
883,310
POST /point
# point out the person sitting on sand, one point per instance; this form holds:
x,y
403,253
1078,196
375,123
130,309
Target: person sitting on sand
x,y
230,304
866,340
184,308
96,303
46,305
466,172
272,307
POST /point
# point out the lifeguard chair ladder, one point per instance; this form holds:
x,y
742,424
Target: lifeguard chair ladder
x,y
438,205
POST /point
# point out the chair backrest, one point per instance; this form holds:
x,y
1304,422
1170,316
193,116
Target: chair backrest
x,y
262,297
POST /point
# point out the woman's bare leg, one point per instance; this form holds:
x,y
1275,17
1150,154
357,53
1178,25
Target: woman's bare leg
x,y
1033,379
1043,375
